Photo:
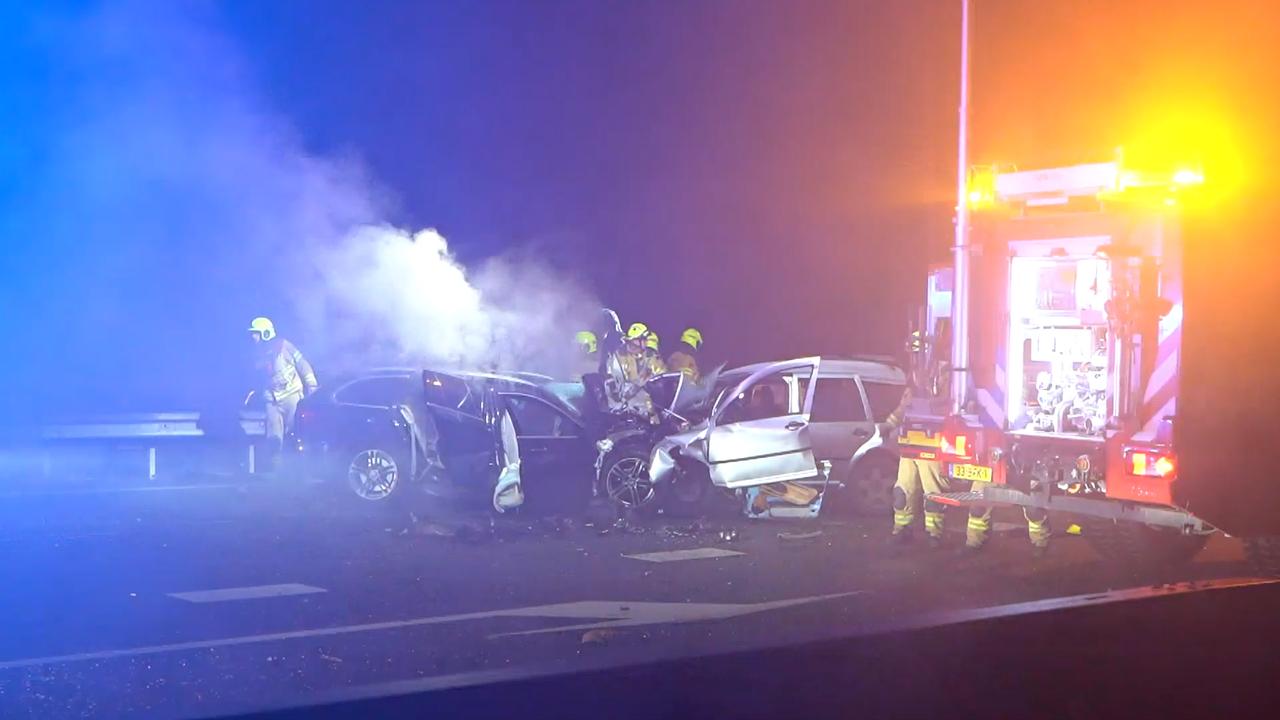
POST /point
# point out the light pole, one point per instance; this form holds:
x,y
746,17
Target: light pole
x,y
960,252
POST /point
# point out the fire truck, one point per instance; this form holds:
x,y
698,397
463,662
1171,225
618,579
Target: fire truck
x,y
1058,369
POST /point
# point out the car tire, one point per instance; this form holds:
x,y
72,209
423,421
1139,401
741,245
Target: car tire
x,y
868,487
624,480
376,477
686,495
1263,554
1134,545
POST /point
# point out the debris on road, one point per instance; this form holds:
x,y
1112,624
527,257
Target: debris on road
x,y
807,537
600,636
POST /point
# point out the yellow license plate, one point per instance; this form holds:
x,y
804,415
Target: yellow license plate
x,y
980,473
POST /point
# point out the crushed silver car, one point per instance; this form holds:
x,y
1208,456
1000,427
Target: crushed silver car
x,y
779,423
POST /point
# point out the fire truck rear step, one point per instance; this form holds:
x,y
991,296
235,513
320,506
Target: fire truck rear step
x,y
958,499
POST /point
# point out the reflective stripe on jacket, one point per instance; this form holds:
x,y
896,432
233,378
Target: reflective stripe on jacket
x,y
287,371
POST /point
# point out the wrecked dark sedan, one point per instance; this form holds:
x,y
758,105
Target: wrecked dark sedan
x,y
391,434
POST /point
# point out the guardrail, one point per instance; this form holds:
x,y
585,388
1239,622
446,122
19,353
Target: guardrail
x,y
146,430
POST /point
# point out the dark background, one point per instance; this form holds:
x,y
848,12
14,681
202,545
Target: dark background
x,y
778,174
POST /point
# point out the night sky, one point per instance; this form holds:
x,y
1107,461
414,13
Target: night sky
x,y
777,174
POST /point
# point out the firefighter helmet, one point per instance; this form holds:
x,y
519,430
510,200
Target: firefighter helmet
x,y
637,330
691,337
263,327
651,341
587,340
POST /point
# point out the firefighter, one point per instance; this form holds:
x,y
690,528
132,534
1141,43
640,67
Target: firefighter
x,y
635,356
685,357
919,475
588,358
653,364
285,378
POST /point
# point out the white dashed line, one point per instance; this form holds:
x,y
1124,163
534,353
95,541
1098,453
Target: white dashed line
x,y
677,555
252,592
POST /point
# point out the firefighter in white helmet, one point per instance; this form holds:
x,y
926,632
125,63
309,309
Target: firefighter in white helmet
x,y
284,377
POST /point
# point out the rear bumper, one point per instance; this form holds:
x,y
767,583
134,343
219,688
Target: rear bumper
x,y
1160,516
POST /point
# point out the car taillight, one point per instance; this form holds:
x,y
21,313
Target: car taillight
x,y
1150,463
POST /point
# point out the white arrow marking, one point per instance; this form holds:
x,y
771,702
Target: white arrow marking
x,y
624,612
665,613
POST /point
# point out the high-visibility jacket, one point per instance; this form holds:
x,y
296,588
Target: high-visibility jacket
x,y
638,367
285,371
685,361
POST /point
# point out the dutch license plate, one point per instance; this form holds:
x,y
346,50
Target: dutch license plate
x,y
980,473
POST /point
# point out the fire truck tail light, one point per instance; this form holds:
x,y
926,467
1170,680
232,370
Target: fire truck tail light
x,y
957,444
1145,463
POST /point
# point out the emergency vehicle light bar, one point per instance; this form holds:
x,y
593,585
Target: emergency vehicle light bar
x,y
1057,185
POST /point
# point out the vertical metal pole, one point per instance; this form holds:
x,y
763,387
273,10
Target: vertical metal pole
x,y
960,288
253,458
151,463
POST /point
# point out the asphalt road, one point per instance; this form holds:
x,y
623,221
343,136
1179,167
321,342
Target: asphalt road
x,y
195,601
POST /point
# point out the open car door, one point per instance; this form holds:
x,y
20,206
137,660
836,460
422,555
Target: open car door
x,y
759,430
508,491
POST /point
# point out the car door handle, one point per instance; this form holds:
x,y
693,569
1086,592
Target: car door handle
x,y
795,425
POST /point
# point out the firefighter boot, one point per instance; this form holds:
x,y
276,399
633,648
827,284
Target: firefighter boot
x,y
1038,530
978,530
933,519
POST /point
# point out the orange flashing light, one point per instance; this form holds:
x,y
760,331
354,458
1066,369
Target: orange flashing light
x,y
1150,464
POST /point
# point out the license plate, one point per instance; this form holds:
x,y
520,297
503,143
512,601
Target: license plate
x,y
980,473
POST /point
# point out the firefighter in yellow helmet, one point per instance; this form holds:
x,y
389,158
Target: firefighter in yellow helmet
x,y
588,357
685,358
284,377
633,358
652,358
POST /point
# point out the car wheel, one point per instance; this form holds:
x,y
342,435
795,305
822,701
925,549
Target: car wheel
x,y
376,475
1134,545
626,482
869,488
686,495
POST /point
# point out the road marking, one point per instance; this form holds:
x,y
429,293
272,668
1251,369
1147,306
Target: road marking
x,y
678,555
628,612
665,613
42,492
251,592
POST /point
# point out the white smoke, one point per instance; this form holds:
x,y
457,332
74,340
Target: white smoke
x,y
383,294
166,192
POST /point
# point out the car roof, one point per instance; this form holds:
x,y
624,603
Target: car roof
x,y
870,367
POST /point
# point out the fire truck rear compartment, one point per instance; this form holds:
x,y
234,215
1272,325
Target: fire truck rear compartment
x,y
1058,343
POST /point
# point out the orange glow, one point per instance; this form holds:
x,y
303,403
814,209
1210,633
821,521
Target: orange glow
x,y
1164,466
982,187
1192,147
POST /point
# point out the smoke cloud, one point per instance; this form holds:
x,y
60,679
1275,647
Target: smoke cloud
x,y
386,293
153,201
